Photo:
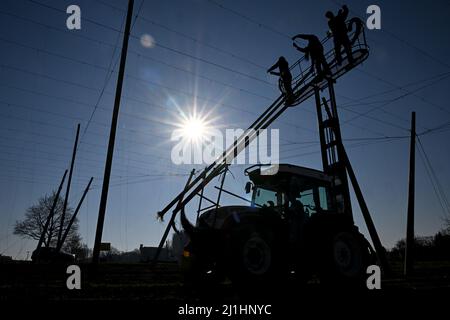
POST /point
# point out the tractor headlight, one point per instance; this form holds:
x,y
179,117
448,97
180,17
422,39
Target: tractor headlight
x,y
186,253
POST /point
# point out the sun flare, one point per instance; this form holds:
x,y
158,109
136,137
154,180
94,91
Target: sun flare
x,y
193,128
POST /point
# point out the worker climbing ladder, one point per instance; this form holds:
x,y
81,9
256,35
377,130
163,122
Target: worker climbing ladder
x,y
306,82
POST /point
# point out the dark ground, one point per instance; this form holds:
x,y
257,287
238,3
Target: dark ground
x,y
163,287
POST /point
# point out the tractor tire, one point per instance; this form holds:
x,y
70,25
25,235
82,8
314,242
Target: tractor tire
x,y
252,258
346,261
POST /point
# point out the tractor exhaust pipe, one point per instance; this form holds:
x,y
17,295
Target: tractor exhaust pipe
x,y
187,225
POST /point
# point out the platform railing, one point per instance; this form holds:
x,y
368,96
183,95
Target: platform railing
x,y
303,73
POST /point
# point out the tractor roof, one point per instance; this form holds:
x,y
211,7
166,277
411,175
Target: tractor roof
x,y
262,173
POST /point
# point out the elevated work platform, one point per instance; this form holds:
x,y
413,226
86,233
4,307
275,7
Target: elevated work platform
x,y
305,78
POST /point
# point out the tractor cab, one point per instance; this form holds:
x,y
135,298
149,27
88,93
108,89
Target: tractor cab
x,y
290,186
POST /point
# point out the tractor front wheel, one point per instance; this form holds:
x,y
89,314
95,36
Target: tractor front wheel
x,y
252,256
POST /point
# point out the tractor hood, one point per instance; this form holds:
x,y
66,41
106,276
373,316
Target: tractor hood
x,y
215,218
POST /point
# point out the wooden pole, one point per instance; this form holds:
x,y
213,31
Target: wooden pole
x,y
69,181
409,245
381,252
66,232
112,137
52,212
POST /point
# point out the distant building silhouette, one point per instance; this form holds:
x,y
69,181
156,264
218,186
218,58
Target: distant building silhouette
x,y
148,253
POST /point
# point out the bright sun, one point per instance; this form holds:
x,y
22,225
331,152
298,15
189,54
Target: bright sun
x,y
193,128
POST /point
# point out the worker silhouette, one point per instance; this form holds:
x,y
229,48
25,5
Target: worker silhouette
x,y
313,50
338,29
295,214
285,77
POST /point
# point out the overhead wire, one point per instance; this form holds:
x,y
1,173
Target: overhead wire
x,y
178,68
438,186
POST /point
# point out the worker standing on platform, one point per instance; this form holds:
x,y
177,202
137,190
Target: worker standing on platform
x,y
313,50
338,29
285,76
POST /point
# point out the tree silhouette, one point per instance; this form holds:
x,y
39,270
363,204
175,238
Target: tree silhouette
x,y
32,225
447,226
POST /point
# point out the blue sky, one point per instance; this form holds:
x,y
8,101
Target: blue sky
x,y
51,78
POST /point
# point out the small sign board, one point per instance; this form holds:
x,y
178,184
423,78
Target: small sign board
x,y
105,246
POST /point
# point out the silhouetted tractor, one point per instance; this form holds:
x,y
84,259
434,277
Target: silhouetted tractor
x,y
294,226
300,221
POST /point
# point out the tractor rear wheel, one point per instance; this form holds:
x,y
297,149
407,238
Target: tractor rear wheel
x,y
346,260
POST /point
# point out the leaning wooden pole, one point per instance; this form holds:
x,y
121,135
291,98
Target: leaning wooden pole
x,y
52,212
74,216
112,137
409,245
69,182
380,251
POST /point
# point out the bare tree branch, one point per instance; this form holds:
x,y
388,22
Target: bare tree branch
x,y
32,225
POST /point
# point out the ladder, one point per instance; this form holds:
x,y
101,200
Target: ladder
x,y
337,165
332,157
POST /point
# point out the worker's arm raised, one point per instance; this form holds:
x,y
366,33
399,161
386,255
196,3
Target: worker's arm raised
x,y
299,48
270,70
344,12
301,36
